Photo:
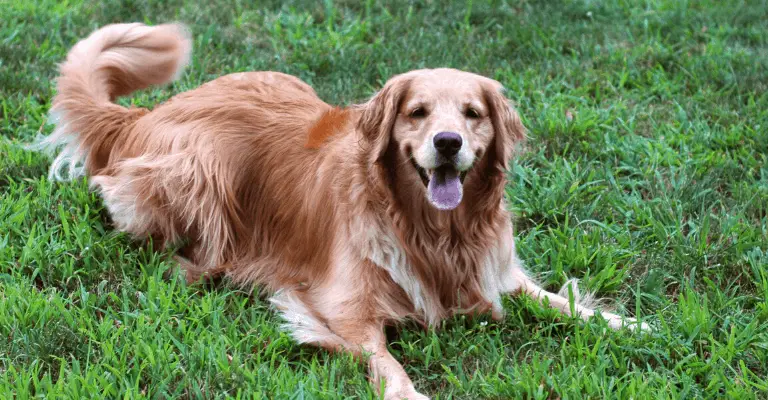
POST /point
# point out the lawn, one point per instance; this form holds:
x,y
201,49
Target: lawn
x,y
646,176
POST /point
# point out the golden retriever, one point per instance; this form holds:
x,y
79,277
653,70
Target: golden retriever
x,y
351,218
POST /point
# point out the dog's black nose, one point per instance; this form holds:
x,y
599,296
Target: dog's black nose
x,y
448,143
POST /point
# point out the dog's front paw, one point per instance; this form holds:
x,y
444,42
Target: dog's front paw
x,y
618,322
404,394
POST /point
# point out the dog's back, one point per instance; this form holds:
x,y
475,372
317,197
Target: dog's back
x,y
224,166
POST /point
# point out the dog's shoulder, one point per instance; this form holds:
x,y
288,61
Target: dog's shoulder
x,y
331,123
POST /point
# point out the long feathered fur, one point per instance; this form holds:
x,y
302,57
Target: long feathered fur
x,y
114,61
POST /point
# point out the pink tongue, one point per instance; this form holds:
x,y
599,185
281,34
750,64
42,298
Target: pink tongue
x,y
444,189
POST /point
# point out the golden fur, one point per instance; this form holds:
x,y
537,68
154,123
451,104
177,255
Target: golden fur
x,y
321,206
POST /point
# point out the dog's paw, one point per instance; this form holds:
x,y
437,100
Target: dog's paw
x,y
618,322
404,394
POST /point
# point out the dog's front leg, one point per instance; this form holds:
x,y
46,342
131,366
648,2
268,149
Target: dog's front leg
x,y
519,282
367,339
351,320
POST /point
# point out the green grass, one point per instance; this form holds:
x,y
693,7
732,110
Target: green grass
x,y
645,176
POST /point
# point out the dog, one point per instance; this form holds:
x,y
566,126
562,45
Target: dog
x,y
351,218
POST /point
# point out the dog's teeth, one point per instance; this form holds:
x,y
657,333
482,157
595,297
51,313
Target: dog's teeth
x,y
430,172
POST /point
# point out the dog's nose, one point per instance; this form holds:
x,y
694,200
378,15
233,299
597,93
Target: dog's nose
x,y
448,143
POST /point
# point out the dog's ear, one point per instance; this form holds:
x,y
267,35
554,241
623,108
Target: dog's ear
x,y
380,113
507,128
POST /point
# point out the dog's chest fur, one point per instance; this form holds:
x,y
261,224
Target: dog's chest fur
x,y
380,245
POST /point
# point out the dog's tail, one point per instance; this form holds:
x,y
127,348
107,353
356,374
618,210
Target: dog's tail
x,y
113,61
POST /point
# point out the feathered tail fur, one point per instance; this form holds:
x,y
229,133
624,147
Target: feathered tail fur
x,y
113,61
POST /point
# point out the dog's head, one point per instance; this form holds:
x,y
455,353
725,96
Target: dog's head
x,y
442,122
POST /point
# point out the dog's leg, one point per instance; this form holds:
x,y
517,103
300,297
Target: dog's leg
x,y
370,341
518,282
359,336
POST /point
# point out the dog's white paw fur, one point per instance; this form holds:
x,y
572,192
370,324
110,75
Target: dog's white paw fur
x,y
406,394
589,301
618,322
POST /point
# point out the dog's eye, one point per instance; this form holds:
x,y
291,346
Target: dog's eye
x,y
418,112
472,113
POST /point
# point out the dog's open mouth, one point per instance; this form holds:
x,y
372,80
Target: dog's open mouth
x,y
444,185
